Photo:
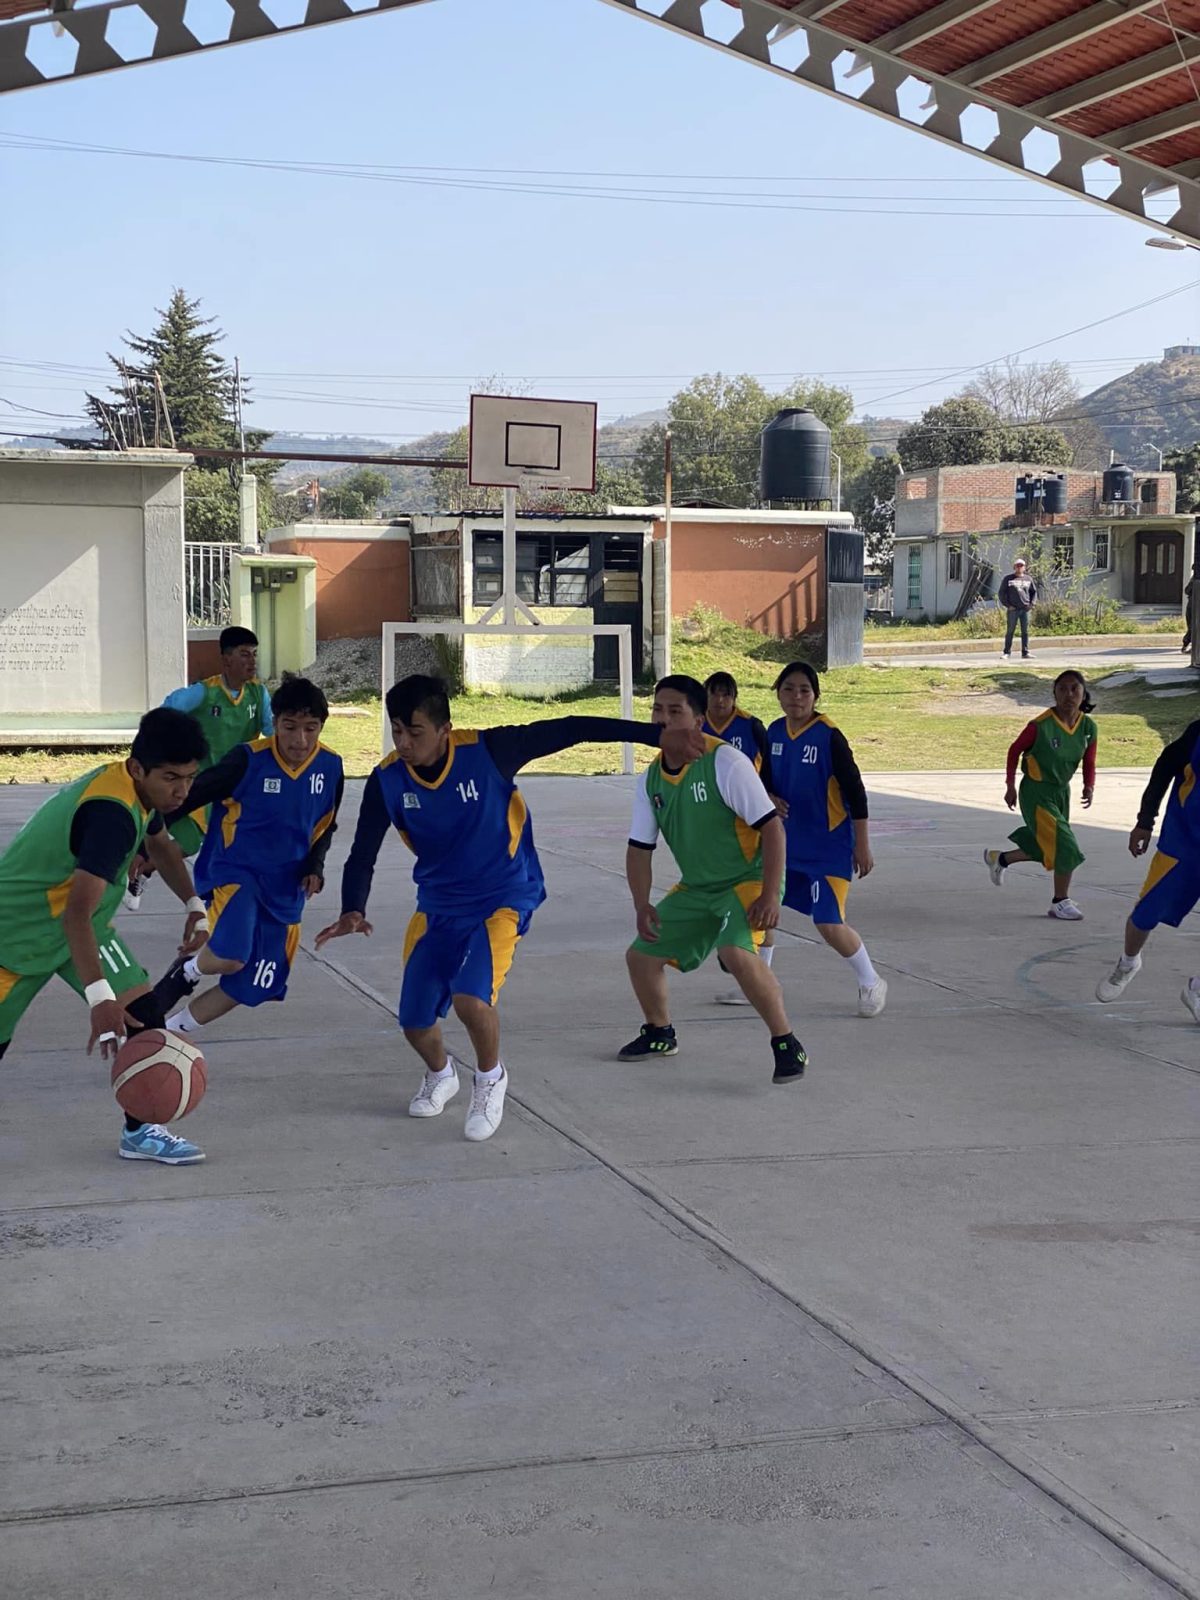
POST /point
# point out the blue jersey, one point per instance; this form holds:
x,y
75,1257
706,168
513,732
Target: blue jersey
x,y
820,834
261,834
469,830
740,731
1180,836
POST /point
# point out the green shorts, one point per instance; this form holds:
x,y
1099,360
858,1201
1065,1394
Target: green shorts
x,y
19,989
1047,835
695,922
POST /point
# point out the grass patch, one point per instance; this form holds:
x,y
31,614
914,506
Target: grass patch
x,y
899,719
1053,620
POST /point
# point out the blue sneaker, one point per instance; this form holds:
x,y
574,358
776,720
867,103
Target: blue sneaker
x,y
153,1142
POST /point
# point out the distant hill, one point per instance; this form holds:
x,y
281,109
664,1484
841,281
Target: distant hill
x,y
1156,404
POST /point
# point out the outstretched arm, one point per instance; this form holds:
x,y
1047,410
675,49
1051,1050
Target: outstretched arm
x,y
359,871
514,747
217,783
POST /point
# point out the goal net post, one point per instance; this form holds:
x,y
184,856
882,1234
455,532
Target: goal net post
x,y
525,638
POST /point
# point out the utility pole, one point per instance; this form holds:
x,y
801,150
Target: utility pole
x,y
666,650
246,482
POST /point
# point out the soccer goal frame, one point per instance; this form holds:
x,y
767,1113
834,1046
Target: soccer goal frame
x,y
452,628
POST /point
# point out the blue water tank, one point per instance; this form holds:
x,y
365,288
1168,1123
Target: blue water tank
x,y
1118,485
1054,494
794,454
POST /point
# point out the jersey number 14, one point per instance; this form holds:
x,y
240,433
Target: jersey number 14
x,y
468,791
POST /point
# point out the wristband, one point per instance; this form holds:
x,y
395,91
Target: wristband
x,y
97,993
196,905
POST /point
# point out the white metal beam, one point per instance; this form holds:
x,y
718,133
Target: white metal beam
x,y
932,23
1130,75
1045,42
882,76
1151,129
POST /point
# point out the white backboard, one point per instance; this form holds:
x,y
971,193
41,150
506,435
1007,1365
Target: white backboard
x,y
513,437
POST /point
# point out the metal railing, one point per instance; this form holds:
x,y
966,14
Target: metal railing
x,y
207,573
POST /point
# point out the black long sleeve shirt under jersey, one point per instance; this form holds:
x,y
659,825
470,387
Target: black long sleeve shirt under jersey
x,y
219,782
845,770
1169,766
510,748
102,835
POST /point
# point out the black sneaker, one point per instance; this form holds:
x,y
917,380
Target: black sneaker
x,y
173,986
790,1059
650,1042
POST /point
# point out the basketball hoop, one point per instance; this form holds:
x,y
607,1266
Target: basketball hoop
x,y
543,494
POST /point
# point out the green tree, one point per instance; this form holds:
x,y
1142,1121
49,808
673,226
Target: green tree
x,y
176,375
715,426
964,431
872,498
356,495
1185,464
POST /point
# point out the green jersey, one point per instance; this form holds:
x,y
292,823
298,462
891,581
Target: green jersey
x,y
1056,750
228,720
37,868
707,814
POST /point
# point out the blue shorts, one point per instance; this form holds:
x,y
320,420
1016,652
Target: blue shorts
x,y
240,930
445,956
819,896
1170,891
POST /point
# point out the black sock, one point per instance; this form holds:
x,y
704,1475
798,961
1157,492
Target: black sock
x,y
1058,899
132,1124
656,1029
1002,859
784,1041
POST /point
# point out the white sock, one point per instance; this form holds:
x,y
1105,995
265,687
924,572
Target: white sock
x,y
191,971
1194,985
493,1076
1129,963
446,1072
767,953
184,1022
860,964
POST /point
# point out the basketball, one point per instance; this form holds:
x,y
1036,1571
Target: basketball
x,y
158,1077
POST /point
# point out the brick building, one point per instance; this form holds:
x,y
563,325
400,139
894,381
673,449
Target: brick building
x,y
958,528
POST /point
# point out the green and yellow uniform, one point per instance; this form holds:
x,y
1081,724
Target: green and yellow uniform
x,y
227,720
710,813
1050,754
96,824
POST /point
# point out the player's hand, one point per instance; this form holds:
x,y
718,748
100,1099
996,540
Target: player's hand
x,y
195,933
1010,797
1087,796
763,912
648,924
781,806
681,745
864,861
1139,841
110,1026
312,884
348,922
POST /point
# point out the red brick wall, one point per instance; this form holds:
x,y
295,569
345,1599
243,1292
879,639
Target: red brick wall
x,y
361,583
978,499
203,659
767,577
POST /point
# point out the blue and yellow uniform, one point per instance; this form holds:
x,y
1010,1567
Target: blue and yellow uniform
x,y
815,773
477,874
271,827
1172,886
744,733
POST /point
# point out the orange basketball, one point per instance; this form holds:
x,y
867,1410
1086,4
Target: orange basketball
x,y
158,1076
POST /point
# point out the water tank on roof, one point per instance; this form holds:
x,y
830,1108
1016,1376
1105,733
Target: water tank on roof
x,y
1118,485
1024,494
1054,494
794,458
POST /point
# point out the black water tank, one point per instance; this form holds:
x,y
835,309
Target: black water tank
x,y
1054,494
1024,494
794,459
1118,485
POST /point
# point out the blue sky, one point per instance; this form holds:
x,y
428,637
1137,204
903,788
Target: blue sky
x,y
428,287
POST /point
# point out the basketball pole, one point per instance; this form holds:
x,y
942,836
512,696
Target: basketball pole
x,y
666,651
509,546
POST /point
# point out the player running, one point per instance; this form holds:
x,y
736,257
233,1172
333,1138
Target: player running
x,y
450,794
61,881
728,843
724,719
1172,886
231,708
816,783
1050,748
277,801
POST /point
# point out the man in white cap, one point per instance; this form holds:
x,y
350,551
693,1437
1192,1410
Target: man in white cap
x,y
1018,592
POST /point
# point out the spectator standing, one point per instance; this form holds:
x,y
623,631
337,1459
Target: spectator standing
x,y
1018,594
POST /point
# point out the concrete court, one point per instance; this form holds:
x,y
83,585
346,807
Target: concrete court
x,y
917,1326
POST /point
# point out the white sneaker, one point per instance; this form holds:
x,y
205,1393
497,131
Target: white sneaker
x,y
1065,910
487,1108
1191,999
132,898
991,860
872,997
435,1094
731,997
1118,980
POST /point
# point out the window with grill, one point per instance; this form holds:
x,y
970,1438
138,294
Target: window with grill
x,y
914,577
954,562
1064,552
1101,550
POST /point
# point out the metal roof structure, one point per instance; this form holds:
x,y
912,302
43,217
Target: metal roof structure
x,y
1098,98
